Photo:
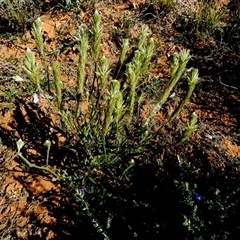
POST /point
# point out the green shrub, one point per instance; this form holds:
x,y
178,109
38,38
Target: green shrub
x,y
110,134
207,17
18,14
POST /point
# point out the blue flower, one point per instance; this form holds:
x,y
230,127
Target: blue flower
x,y
82,189
197,196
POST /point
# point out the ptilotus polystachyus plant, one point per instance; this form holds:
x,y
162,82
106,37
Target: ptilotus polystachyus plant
x,y
178,66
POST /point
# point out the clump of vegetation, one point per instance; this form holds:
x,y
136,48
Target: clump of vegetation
x,y
17,15
207,18
100,137
114,156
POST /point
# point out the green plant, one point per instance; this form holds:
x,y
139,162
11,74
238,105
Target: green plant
x,y
100,228
14,13
207,18
109,134
203,208
9,93
67,5
178,66
190,128
18,14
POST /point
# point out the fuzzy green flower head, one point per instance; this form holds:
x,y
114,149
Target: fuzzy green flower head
x,y
96,32
115,87
96,20
37,33
130,70
175,60
103,71
37,27
193,120
150,47
29,60
119,105
138,58
193,78
184,55
104,65
147,55
142,36
190,128
125,47
32,68
174,64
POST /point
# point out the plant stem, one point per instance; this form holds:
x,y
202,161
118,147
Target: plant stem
x,y
192,81
38,167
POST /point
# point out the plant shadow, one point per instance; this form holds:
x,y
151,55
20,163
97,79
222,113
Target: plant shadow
x,y
148,202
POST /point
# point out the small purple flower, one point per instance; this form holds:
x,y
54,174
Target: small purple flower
x,y
82,189
197,196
